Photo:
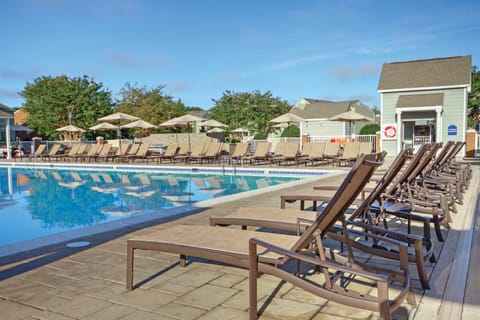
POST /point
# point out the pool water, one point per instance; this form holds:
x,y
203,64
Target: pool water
x,y
40,202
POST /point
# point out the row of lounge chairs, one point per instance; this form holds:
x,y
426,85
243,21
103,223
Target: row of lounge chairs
x,y
90,152
310,153
357,224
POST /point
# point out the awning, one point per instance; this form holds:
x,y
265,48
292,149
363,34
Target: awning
x,y
420,100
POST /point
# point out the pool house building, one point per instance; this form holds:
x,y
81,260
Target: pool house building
x,y
424,101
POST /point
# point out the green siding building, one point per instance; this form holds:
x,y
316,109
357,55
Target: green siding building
x,y
424,101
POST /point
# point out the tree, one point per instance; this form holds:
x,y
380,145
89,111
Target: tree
x,y
474,98
252,111
50,101
151,105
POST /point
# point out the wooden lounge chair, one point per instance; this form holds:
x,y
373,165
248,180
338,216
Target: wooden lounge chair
x,y
349,154
279,151
141,153
295,220
211,152
239,153
242,248
304,152
332,150
365,147
427,207
53,152
170,153
290,153
262,153
317,151
35,155
90,154
198,150
104,154
129,153
74,152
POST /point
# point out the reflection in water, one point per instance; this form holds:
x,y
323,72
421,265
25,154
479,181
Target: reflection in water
x,y
36,202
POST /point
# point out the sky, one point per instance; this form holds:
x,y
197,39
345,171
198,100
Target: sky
x,y
198,49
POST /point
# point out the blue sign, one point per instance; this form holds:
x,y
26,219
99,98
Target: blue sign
x,y
452,130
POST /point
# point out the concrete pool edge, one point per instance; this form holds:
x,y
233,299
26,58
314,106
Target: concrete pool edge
x,y
149,218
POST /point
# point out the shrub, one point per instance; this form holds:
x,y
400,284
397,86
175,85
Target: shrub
x,y
371,128
291,132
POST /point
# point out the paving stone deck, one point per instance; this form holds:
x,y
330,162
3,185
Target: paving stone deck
x,y
89,283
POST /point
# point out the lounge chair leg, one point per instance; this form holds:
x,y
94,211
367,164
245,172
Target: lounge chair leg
x,y
438,230
252,280
130,255
421,266
183,260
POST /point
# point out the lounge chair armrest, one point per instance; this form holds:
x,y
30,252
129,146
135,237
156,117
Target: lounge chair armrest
x,y
327,188
315,261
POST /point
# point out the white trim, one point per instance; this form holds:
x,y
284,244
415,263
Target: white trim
x,y
381,121
424,108
458,86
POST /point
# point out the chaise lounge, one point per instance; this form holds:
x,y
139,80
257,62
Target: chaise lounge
x,y
264,252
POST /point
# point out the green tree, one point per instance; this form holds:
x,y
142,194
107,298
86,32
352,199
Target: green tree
x,y
50,100
474,98
291,131
252,111
152,105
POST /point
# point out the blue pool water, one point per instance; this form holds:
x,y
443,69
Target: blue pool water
x,y
40,202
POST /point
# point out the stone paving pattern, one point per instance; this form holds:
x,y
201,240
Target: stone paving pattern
x,y
60,283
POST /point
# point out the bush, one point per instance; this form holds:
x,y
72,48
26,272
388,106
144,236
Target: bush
x,y
371,128
259,136
291,132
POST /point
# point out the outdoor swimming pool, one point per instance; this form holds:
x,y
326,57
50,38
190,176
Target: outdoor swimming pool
x,y
38,202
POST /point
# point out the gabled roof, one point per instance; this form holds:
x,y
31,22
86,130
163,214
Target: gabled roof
x,y
5,112
322,109
430,73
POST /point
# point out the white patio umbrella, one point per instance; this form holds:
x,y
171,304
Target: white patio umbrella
x,y
104,126
182,121
117,118
288,118
351,117
216,129
214,123
139,124
72,130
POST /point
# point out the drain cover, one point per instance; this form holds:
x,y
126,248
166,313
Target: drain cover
x,y
78,244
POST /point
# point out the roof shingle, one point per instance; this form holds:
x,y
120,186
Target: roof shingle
x,y
430,73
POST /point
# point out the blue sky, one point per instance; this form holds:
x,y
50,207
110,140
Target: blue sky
x,y
198,49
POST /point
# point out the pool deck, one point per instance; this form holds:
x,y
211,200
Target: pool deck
x,y
59,282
